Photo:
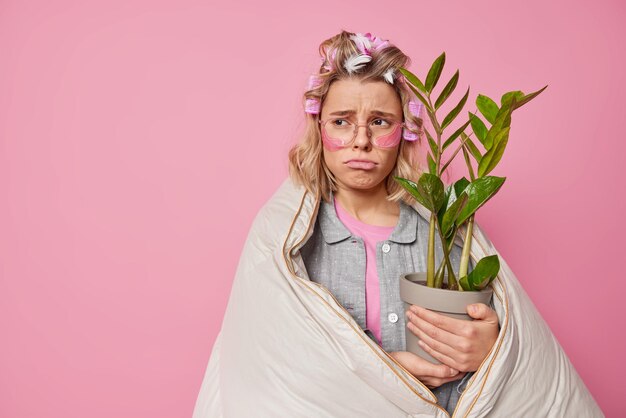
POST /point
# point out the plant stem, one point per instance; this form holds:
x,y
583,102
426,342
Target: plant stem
x,y
452,283
439,276
433,221
430,270
456,151
467,243
450,250
468,162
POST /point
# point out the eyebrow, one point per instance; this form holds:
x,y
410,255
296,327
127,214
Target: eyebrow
x,y
373,112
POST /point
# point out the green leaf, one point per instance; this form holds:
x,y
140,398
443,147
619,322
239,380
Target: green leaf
x,y
451,214
460,185
494,154
479,128
444,207
467,161
454,112
432,166
472,147
528,97
479,192
487,107
411,187
503,120
485,271
430,185
508,97
465,284
433,145
435,72
447,90
412,78
428,190
454,135
452,191
449,198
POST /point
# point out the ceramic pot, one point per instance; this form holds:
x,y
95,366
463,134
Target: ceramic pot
x,y
452,303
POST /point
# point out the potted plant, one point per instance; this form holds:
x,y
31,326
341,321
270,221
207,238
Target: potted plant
x,y
455,205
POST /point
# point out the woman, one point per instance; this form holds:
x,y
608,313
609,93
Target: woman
x,y
359,248
314,326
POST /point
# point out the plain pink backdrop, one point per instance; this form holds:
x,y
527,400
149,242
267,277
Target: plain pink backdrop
x,y
138,139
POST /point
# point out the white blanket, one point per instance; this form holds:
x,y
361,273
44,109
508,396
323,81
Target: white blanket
x,y
287,348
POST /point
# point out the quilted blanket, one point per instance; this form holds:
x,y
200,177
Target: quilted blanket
x,y
287,348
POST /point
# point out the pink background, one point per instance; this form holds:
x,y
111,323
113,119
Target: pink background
x,y
139,138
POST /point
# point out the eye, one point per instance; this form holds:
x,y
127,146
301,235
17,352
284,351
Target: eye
x,y
337,122
381,122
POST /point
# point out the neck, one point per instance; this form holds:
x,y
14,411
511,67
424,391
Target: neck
x,y
369,206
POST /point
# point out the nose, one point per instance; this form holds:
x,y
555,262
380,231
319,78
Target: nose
x,y
362,139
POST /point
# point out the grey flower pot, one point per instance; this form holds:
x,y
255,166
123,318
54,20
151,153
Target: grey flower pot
x,y
452,303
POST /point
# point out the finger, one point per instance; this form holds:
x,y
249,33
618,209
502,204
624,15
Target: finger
x,y
483,312
434,382
439,339
443,358
454,326
441,371
419,366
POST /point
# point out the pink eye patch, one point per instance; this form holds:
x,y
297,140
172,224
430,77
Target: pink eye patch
x,y
330,143
386,141
390,140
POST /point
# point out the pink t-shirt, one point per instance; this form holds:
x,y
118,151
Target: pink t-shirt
x,y
370,234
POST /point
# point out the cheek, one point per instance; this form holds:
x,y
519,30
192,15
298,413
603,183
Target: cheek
x,y
332,158
331,144
392,139
388,159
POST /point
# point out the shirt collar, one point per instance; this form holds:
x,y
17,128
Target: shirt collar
x,y
334,230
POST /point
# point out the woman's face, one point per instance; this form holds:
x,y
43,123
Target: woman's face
x,y
360,165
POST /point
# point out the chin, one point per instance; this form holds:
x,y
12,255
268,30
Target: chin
x,y
363,182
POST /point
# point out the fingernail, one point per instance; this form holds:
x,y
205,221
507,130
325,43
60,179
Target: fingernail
x,y
453,372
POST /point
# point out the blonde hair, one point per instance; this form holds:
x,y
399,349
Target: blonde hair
x,y
306,162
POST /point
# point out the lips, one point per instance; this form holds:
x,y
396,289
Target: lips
x,y
361,164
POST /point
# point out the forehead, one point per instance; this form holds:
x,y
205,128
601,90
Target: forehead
x,y
362,97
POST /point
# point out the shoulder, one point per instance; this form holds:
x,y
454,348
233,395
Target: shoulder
x,y
418,211
286,217
277,215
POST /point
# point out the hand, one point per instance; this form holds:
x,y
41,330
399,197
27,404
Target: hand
x,y
432,375
462,345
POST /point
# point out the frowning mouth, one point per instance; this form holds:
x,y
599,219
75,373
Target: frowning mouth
x,y
360,160
361,164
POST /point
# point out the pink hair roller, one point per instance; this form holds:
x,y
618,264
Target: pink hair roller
x,y
415,108
314,82
331,59
382,45
408,135
312,106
